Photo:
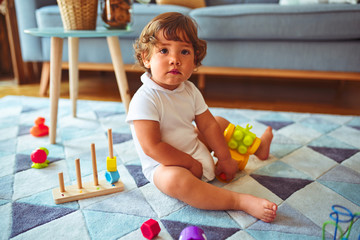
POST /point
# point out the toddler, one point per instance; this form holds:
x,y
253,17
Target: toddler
x,y
176,154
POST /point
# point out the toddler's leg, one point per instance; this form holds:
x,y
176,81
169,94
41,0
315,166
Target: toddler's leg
x,y
181,184
264,149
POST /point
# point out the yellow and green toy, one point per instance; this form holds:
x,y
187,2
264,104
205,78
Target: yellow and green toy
x,y
242,143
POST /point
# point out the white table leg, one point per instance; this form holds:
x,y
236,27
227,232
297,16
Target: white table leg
x,y
115,52
73,71
55,79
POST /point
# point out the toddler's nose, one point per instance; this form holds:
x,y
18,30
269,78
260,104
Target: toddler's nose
x,y
174,60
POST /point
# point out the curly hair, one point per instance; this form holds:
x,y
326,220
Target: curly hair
x,y
176,27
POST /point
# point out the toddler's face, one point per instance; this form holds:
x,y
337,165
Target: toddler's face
x,y
171,62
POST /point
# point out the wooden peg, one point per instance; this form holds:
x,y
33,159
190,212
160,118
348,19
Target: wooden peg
x,y
93,157
61,182
111,154
78,173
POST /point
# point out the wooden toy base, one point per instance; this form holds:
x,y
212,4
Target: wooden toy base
x,y
88,190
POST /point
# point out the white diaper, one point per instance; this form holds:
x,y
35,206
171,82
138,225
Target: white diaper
x,y
200,153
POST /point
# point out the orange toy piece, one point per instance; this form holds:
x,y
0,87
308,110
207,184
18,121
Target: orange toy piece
x,y
40,129
242,143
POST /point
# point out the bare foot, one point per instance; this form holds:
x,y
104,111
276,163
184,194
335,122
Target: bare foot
x,y
264,149
258,207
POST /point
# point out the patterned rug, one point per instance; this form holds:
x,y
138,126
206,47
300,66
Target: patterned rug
x,y
314,164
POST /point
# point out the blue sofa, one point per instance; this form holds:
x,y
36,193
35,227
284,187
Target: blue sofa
x,y
245,37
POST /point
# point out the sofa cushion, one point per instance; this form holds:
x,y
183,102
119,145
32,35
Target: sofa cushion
x,y
227,2
298,55
295,2
49,16
184,3
271,21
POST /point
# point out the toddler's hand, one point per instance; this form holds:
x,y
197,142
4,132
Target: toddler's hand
x,y
229,167
196,169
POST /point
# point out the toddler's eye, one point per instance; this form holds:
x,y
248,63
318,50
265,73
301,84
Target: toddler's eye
x,y
163,51
185,52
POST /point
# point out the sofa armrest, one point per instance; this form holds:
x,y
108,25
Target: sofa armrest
x,y
31,49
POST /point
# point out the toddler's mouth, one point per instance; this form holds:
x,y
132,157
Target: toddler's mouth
x,y
174,71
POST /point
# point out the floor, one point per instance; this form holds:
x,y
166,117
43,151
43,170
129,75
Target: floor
x,y
319,96
314,163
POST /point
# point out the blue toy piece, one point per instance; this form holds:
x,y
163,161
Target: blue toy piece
x,y
192,233
112,177
335,215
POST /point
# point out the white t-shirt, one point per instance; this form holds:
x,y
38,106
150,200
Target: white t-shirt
x,y
175,110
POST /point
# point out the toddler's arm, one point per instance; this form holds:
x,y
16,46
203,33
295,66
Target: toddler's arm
x,y
214,138
149,136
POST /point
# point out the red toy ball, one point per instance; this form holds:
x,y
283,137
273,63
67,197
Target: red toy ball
x,y
150,229
38,156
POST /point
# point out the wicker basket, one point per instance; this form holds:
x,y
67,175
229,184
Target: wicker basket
x,y
78,14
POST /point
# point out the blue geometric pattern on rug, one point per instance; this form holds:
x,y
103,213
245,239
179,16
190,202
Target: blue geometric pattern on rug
x,y
314,163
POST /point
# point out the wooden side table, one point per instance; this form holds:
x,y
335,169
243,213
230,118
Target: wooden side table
x,y
57,35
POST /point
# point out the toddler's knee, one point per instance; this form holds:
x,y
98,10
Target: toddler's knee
x,y
175,179
223,123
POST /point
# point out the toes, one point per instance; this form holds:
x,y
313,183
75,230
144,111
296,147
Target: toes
x,y
268,219
269,212
269,216
270,206
275,207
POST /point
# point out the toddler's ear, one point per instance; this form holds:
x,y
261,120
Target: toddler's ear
x,y
145,61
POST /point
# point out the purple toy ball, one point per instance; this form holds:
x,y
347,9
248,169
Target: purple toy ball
x,y
192,233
